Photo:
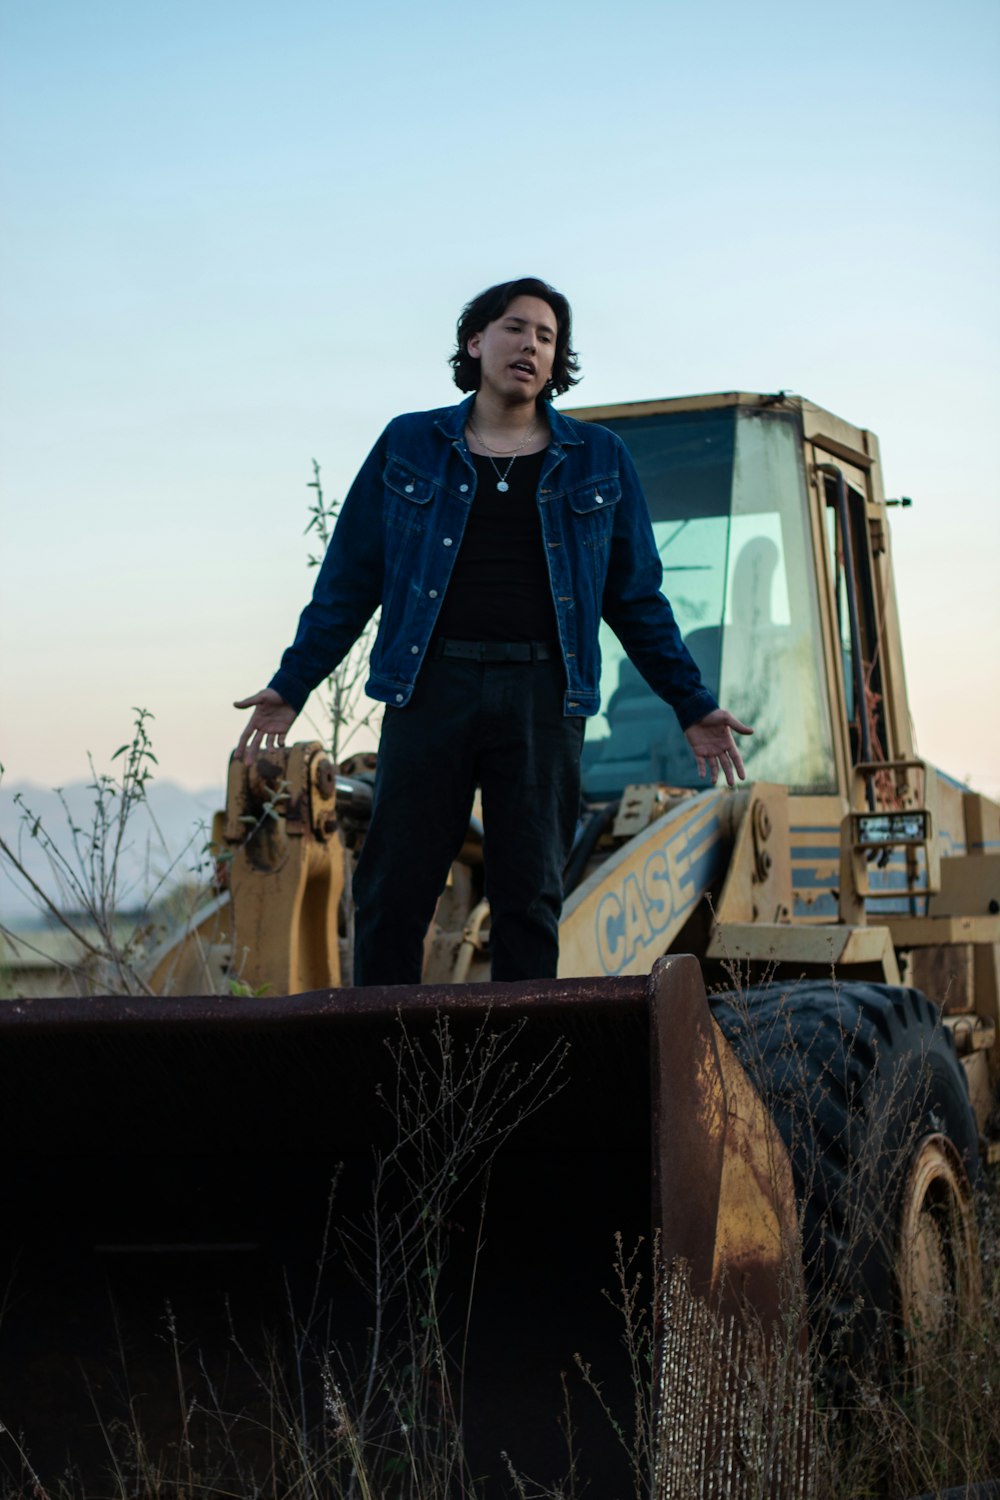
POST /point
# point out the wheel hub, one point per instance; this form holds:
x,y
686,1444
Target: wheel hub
x,y
938,1264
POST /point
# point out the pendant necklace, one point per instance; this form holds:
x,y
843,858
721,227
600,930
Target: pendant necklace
x,y
502,484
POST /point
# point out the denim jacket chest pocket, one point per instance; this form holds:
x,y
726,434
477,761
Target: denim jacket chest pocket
x,y
591,510
407,496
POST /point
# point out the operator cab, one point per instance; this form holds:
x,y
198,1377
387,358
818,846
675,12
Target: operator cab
x,y
726,489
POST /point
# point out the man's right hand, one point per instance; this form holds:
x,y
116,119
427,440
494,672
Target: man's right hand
x,y
271,721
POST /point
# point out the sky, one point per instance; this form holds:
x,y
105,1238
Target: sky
x,y
236,237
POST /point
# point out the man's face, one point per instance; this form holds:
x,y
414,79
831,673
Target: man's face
x,y
517,351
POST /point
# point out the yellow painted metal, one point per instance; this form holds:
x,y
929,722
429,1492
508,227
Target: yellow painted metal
x,y
286,873
472,943
976,1066
727,1230
724,1191
836,437
274,928
909,932
866,951
851,909
970,886
814,851
982,824
757,1219
758,883
986,970
904,785
950,819
638,807
946,971
971,1033
896,705
655,408
833,672
631,909
855,452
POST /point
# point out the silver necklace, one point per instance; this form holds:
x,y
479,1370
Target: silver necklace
x,y
502,484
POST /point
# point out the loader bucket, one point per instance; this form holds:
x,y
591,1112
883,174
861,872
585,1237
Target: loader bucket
x,y
168,1167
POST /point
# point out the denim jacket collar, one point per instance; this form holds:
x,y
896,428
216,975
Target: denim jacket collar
x,y
454,420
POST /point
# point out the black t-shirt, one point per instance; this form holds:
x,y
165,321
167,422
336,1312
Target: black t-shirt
x,y
499,589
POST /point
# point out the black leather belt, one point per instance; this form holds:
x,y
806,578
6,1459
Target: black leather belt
x,y
495,650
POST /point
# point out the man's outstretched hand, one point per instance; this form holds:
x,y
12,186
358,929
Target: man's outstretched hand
x,y
272,719
714,748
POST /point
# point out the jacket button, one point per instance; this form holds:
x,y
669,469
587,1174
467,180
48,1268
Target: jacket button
x,y
432,593
447,541
599,499
409,489
463,488
415,650
399,697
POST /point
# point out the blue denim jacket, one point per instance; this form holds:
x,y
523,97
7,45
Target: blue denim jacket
x,y
400,529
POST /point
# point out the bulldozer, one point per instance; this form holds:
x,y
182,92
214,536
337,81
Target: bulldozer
x,y
767,993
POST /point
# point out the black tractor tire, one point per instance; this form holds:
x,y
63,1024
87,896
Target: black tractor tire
x,y
859,1079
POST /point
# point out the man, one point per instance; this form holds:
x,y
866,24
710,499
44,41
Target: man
x,y
494,535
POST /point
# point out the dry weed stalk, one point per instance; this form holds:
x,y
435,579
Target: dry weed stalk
x,y
86,864
344,688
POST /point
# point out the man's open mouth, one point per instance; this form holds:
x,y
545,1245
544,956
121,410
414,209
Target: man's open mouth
x,y
522,364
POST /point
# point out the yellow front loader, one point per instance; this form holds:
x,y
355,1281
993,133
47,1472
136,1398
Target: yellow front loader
x,y
781,1001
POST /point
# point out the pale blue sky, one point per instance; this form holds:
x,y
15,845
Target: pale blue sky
x,y
237,236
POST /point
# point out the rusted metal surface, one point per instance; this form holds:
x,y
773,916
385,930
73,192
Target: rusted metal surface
x,y
177,1067
211,1074
724,1200
733,1391
198,1118
734,1408
66,1013
202,1120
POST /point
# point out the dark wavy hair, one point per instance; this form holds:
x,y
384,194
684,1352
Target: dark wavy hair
x,y
492,304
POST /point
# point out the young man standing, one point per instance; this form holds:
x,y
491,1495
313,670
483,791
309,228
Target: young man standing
x,y
495,535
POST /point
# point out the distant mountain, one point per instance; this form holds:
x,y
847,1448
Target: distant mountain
x,y
164,838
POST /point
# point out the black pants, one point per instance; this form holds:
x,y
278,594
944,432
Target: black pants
x,y
499,726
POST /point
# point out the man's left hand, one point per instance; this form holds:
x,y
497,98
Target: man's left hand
x,y
714,748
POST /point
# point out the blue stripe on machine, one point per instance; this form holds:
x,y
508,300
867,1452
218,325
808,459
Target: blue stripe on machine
x,y
823,905
809,876
673,878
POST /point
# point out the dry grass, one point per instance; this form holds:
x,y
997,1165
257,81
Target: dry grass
x,y
938,1424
